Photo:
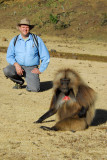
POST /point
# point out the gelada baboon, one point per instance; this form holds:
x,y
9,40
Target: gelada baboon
x,y
72,101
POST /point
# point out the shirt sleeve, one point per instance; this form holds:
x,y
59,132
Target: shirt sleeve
x,y
11,53
44,55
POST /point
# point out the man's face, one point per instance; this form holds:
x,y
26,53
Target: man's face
x,y
24,29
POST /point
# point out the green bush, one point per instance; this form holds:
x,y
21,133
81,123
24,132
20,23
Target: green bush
x,y
53,18
104,19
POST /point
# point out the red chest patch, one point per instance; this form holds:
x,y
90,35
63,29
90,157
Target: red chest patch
x,y
66,98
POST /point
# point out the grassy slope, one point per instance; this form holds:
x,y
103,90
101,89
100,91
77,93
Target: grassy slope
x,y
80,19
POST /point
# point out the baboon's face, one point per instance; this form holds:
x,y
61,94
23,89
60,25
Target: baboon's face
x,y
64,85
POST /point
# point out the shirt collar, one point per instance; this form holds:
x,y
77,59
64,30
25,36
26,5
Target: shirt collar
x,y
20,37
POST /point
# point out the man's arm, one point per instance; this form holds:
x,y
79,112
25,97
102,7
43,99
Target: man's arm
x,y
11,53
11,58
44,55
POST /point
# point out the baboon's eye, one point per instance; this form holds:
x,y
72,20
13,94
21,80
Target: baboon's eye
x,y
61,83
64,81
68,82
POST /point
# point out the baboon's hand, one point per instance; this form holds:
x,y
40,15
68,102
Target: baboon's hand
x,y
82,112
45,128
49,128
38,121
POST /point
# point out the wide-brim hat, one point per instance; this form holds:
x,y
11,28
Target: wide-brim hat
x,y
25,21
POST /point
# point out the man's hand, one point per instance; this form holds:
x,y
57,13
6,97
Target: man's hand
x,y
19,69
36,71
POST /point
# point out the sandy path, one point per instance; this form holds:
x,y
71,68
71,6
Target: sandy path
x,y
20,139
61,44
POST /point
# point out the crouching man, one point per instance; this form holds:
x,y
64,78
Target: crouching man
x,y
24,54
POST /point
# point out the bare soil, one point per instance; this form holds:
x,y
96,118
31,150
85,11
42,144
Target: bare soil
x,y
21,139
76,19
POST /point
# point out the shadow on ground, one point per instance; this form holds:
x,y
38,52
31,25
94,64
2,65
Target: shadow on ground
x,y
46,85
43,85
100,117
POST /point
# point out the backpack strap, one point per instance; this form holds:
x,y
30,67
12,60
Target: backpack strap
x,y
15,39
35,40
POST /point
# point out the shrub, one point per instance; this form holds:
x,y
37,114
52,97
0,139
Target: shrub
x,y
53,18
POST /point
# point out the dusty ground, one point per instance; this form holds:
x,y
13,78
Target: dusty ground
x,y
61,44
21,139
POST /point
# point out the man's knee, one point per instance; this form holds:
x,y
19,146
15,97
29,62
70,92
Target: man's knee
x,y
6,72
9,71
34,89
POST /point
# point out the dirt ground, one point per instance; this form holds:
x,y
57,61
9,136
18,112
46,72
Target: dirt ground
x,y
61,44
21,139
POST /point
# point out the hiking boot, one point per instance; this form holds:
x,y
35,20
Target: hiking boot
x,y
17,86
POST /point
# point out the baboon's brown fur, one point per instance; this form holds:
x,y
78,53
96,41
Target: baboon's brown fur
x,y
77,111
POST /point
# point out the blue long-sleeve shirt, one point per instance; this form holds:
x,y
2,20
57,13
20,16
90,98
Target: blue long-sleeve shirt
x,y
26,53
